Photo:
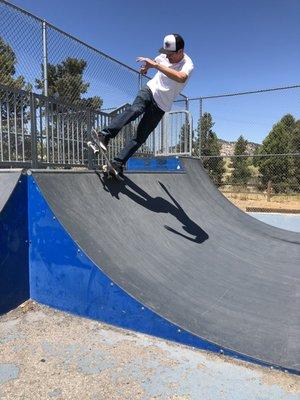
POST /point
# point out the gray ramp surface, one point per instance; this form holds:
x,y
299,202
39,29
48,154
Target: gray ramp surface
x,y
177,245
8,181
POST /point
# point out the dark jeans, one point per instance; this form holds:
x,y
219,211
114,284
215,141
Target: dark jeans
x,y
143,104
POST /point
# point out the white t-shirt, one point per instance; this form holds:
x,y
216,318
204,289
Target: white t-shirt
x,y
164,89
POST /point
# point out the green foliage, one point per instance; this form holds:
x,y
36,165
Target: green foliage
x,y
214,164
65,82
204,129
280,170
241,166
210,149
14,106
295,148
8,62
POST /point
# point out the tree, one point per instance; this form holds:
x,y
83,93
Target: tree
x,y
14,106
241,172
210,149
214,163
65,82
279,170
8,62
295,147
205,125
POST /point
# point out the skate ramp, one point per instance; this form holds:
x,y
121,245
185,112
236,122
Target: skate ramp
x,y
177,246
14,282
8,181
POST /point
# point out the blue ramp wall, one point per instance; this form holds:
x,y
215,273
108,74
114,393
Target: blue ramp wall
x,y
64,277
14,263
155,164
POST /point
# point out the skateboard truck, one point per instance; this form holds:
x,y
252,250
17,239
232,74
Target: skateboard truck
x,y
96,147
93,147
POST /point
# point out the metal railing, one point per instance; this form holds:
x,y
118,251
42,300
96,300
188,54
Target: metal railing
x,y
15,126
175,137
39,131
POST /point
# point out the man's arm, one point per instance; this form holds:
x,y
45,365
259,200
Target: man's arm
x,y
177,76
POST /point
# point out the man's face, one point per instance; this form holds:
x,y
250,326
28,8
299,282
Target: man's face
x,y
175,56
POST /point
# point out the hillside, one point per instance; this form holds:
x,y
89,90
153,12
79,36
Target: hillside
x,y
227,148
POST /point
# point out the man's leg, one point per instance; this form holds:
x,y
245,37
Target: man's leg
x,y
148,123
141,102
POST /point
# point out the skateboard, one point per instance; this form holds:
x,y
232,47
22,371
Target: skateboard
x,y
107,168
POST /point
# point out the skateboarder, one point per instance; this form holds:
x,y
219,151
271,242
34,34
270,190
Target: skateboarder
x,y
174,68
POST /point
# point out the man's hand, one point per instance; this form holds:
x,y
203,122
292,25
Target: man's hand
x,y
177,76
143,70
148,63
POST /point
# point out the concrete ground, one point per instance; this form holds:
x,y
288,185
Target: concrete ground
x,y
290,222
47,354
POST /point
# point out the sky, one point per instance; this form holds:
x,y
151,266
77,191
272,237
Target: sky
x,y
236,45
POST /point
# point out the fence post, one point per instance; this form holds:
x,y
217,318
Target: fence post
x,y
165,132
191,133
89,129
34,155
200,123
45,58
187,104
269,190
187,127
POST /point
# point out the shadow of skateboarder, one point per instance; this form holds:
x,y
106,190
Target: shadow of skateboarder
x,y
157,205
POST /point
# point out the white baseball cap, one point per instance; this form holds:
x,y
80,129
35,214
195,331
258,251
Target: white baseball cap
x,y
172,43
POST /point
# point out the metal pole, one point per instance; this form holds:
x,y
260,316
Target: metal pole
x,y
45,58
187,104
187,127
200,123
140,81
165,133
89,129
34,155
191,133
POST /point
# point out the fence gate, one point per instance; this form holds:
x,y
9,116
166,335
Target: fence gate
x,y
175,136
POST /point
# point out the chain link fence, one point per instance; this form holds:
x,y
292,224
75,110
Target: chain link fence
x,y
15,126
250,145
38,57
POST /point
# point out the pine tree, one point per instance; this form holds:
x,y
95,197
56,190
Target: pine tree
x,y
8,62
214,163
210,149
65,82
241,172
14,106
279,170
295,149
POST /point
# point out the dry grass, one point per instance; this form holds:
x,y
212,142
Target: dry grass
x,y
259,200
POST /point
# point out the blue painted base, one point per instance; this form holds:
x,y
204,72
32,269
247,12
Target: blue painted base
x,y
62,276
14,282
155,164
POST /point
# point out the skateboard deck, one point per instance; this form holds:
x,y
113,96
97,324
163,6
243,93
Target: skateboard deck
x,y
107,168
